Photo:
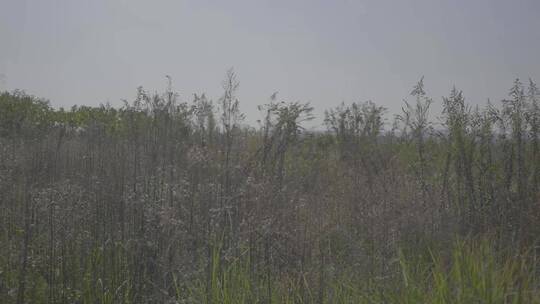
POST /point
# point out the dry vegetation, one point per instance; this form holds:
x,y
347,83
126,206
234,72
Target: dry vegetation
x,y
163,201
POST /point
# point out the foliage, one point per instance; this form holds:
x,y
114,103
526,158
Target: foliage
x,y
167,201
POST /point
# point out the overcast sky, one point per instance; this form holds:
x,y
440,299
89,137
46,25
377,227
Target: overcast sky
x,y
323,52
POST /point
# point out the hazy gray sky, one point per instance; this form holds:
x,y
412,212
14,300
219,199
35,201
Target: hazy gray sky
x,y
324,52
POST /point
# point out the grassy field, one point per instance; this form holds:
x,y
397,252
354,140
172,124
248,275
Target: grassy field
x,y
170,201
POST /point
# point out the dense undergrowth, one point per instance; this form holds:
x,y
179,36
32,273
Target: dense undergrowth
x,y
164,201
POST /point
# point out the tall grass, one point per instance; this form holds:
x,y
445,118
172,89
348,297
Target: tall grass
x,y
474,272
164,200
